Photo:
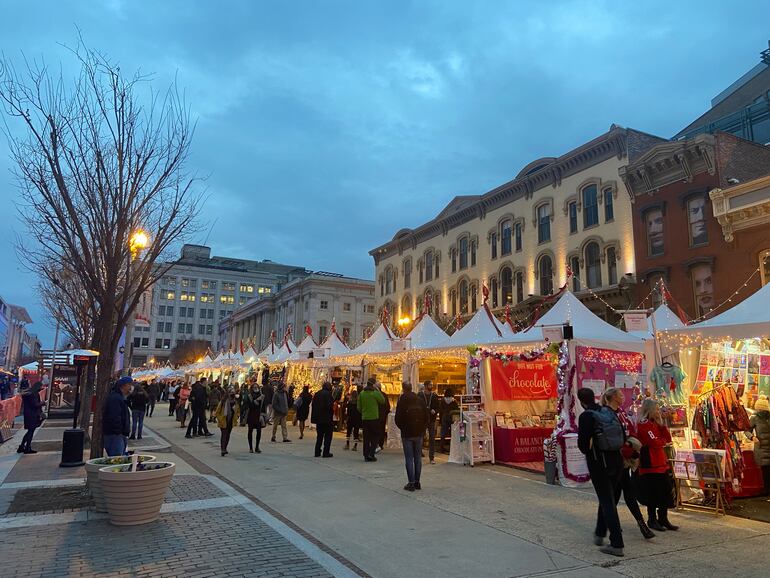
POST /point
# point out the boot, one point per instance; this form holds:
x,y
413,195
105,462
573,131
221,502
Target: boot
x,y
355,446
646,532
663,520
347,445
653,524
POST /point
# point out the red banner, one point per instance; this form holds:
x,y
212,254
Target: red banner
x,y
523,380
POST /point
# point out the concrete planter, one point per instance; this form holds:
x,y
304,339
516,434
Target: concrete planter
x,y
135,498
92,475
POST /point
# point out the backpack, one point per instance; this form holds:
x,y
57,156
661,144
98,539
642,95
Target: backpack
x,y
414,418
608,435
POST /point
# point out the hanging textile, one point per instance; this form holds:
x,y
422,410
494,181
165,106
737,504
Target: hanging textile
x,y
668,379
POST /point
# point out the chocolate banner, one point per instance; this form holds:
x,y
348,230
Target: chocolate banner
x,y
523,380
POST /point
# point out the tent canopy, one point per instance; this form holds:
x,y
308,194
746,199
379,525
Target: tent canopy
x,y
426,334
379,342
749,318
481,329
308,344
665,320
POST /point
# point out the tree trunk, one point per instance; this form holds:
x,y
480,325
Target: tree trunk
x,y
85,400
105,330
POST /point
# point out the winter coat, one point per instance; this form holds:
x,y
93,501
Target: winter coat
x,y
33,408
447,411
253,407
198,396
281,402
268,392
431,401
116,419
760,424
411,415
137,400
323,408
304,408
369,402
353,414
184,395
221,416
609,463
654,438
153,391
384,409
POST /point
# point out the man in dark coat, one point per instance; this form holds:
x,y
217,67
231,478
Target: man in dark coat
x,y
384,410
153,393
116,419
198,400
412,419
268,391
33,416
429,397
323,417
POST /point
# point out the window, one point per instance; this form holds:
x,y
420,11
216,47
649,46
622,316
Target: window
x,y
543,223
242,300
185,296
764,266
696,219
493,291
162,310
159,327
653,220
324,305
168,327
474,297
519,287
210,313
463,291
703,288
545,268
209,329
463,253
574,264
169,295
370,308
226,299
228,286
346,307
609,210
590,207
145,342
389,281
323,332
201,329
158,343
247,288
169,281
169,310
180,328
453,259
612,266
222,313
382,285
263,290
185,282
429,266
407,273
206,298
183,312
573,218
406,306
346,334
517,234
473,253
493,243
166,344
205,284
506,282
505,236
593,266
137,342
453,299
189,328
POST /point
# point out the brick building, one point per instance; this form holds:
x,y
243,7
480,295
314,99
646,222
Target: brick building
x,y
677,238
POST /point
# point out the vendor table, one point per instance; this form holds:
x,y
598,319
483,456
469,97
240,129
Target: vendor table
x,y
521,444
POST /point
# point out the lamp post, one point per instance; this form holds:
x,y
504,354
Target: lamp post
x,y
138,242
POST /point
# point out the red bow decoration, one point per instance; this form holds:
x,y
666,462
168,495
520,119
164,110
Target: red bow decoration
x,y
485,293
308,330
334,326
242,350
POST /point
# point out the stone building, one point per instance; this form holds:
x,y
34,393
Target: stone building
x,y
520,238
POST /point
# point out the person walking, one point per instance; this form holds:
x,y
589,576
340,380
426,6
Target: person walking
x,y
268,391
384,410
183,402
448,408
302,408
172,393
654,484
116,418
431,401
280,410
198,402
215,396
33,416
323,418
255,418
369,402
353,420
227,413
760,427
412,416
153,393
630,453
600,438
137,401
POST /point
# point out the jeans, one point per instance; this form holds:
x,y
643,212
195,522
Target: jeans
x,y
137,419
115,444
353,427
446,432
412,457
431,438
150,407
171,407
371,436
280,418
26,441
608,488
324,433
259,436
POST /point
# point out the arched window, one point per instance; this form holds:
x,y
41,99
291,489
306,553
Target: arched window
x,y
474,297
612,266
436,304
463,245
388,280
463,292
505,237
428,266
572,209
406,307
574,264
473,253
453,299
407,273
382,285
519,286
593,266
493,291
544,223
545,268
518,230
506,282
493,243
453,258
609,210
590,207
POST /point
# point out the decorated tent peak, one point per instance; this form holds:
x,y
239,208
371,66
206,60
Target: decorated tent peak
x,y
308,330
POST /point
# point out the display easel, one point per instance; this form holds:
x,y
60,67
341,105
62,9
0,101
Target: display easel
x,y
708,477
479,444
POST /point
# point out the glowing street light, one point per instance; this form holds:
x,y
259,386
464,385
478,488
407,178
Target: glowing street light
x,y
404,321
138,242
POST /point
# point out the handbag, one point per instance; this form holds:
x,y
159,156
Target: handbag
x,y
262,420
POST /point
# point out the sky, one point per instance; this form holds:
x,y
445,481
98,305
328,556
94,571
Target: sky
x,y
325,127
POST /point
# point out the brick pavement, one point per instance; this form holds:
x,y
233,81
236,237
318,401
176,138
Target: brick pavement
x,y
218,542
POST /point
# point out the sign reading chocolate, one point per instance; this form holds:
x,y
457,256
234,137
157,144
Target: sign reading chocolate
x,y
523,380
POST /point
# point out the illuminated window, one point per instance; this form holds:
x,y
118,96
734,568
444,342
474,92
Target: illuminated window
x,y
228,286
226,299
263,289
170,295
246,288
506,282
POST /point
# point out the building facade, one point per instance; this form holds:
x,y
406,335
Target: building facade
x,y
678,238
17,345
521,238
317,300
195,294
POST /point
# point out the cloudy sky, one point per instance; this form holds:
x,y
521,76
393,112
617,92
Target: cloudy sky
x,y
324,127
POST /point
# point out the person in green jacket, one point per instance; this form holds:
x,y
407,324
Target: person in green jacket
x,y
369,402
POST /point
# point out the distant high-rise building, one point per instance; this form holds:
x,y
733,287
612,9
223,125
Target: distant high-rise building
x,y
17,345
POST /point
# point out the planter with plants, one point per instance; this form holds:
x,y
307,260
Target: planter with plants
x,y
92,475
134,492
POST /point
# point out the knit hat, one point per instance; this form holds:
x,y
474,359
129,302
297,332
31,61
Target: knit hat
x,y
762,404
124,380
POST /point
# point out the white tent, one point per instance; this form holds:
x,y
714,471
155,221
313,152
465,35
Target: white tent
x,y
268,351
426,334
381,341
285,352
334,345
665,320
750,318
308,344
482,328
587,328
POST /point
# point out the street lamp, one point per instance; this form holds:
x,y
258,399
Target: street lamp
x,y
138,241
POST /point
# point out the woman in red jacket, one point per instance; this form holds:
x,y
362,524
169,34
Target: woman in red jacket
x,y
654,482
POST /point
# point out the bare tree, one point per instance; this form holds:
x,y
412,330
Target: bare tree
x,y
189,351
96,163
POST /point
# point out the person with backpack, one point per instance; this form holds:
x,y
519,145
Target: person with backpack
x,y
412,419
600,439
323,418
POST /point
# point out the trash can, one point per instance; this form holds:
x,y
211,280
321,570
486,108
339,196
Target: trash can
x,y
550,472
